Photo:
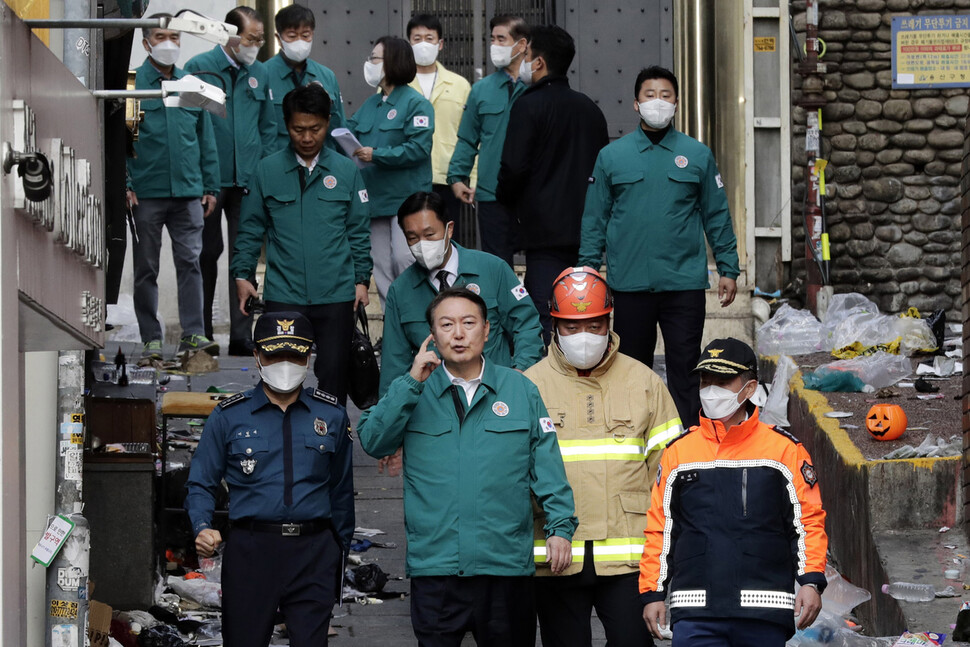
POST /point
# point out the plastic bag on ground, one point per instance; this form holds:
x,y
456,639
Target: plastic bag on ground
x,y
853,318
831,381
915,334
161,636
878,370
789,332
202,592
775,409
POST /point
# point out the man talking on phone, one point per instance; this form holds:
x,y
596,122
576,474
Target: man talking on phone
x,y
478,447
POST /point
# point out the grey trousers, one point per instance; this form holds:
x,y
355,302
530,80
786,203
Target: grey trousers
x,y
389,250
183,217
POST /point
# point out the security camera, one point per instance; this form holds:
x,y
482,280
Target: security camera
x,y
34,168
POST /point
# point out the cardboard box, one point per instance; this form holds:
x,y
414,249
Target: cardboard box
x,y
99,623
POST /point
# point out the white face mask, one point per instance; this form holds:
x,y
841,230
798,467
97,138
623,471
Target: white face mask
x,y
501,55
430,254
719,403
525,72
373,73
584,350
246,54
297,51
165,53
657,113
282,377
425,53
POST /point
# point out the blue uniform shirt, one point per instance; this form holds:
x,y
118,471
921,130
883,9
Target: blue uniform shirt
x,y
271,478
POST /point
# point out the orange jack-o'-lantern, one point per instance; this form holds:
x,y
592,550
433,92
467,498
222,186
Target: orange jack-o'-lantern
x,y
886,421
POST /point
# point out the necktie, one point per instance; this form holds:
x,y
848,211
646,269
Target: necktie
x,y
443,283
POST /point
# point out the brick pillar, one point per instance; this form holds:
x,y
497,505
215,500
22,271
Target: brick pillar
x,y
965,277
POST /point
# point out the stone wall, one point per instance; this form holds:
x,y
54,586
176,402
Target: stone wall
x,y
893,206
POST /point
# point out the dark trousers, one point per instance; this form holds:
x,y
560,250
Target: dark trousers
x,y
333,326
452,206
498,611
681,318
263,571
564,605
496,230
117,52
229,203
728,633
542,266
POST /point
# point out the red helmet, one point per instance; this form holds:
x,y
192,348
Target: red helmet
x,y
580,293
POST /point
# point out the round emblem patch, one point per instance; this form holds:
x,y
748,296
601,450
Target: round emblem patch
x,y
392,113
320,427
680,161
330,181
253,83
473,287
500,409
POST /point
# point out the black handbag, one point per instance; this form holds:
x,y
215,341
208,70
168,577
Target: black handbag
x,y
364,381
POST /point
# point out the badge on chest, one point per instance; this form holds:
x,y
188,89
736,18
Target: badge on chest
x,y
248,465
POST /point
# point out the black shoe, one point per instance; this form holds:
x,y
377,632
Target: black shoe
x,y
241,348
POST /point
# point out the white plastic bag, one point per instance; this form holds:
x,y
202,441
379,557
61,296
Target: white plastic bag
x,y
775,409
879,370
201,591
915,334
854,318
789,332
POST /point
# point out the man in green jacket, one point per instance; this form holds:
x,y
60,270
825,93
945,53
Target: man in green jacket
x,y
173,180
482,133
515,338
293,67
310,205
477,442
246,135
654,195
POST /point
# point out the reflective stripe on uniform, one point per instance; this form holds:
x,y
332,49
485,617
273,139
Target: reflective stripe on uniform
x,y
620,549
662,434
768,599
626,449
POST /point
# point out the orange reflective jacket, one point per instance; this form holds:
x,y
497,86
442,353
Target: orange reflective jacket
x,y
735,518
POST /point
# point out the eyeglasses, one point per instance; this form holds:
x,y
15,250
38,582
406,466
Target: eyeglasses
x,y
374,59
249,40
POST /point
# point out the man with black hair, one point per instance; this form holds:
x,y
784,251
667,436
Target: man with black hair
x,y
553,138
293,67
173,179
478,446
481,135
654,196
516,337
310,205
448,93
246,135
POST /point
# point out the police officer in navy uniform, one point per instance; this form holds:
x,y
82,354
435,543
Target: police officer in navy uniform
x,y
286,455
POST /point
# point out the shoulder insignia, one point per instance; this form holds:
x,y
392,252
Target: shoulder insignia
x,y
350,433
231,400
809,474
787,434
323,396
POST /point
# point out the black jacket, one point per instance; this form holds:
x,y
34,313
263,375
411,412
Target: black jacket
x,y
551,143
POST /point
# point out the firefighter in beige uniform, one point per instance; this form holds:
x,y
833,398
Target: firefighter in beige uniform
x,y
613,416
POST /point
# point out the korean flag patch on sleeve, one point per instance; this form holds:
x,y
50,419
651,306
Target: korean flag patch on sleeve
x,y
547,426
421,121
720,182
519,292
362,194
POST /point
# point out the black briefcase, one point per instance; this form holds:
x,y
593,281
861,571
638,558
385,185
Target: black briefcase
x,y
364,380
